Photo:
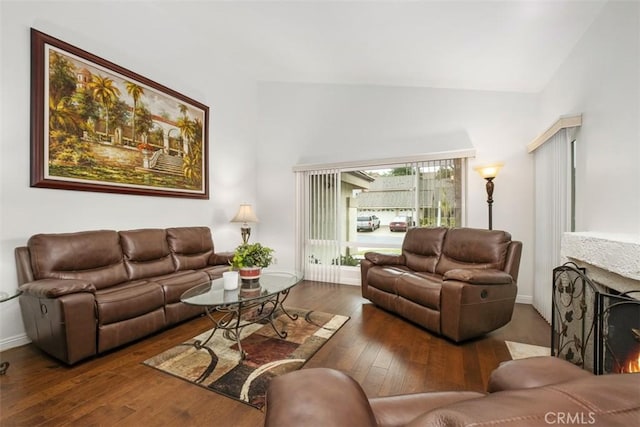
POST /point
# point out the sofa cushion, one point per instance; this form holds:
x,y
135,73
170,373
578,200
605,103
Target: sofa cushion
x,y
423,289
127,301
385,278
92,256
146,253
175,284
422,247
473,248
191,246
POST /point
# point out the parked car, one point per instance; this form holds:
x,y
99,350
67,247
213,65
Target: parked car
x,y
368,222
400,223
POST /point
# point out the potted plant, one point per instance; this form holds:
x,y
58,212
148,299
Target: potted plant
x,y
250,258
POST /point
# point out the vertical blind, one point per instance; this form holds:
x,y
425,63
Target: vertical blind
x,y
320,225
553,213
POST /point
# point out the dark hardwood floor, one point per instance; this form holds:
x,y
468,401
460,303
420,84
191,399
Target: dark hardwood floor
x,y
384,353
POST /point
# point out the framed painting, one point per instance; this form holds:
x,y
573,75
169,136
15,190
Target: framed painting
x,y
96,126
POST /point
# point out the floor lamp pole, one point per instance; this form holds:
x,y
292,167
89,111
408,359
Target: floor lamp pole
x,y
490,200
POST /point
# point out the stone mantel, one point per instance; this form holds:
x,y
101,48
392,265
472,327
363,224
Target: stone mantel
x,y
612,260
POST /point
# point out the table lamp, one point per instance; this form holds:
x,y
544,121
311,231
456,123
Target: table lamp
x,y
245,215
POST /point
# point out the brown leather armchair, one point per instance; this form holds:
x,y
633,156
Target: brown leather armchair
x,y
460,283
539,391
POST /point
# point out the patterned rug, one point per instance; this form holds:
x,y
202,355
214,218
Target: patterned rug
x,y
218,367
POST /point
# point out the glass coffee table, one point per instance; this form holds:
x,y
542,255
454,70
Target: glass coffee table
x,y
232,310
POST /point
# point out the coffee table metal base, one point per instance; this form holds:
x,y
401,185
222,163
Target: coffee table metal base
x,y
233,318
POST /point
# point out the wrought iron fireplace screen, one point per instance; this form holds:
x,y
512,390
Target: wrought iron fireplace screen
x,y
593,329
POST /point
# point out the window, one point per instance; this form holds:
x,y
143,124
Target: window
x,y
348,210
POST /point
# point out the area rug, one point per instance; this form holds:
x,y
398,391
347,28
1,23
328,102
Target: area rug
x,y
522,351
218,367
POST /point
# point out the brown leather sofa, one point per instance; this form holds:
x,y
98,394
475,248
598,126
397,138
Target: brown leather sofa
x,y
88,292
539,391
459,282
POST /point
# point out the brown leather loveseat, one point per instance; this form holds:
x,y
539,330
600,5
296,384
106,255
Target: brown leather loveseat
x,y
459,282
88,292
539,391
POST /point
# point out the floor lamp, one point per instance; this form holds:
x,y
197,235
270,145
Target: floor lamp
x,y
245,215
489,172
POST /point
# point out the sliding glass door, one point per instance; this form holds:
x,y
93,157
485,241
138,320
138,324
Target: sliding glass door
x,y
347,211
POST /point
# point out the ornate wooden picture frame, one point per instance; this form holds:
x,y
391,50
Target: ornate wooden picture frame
x,y
96,126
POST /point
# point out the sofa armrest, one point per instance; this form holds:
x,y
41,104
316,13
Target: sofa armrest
x,y
395,411
63,326
479,276
317,396
464,308
221,258
54,288
23,265
533,372
384,259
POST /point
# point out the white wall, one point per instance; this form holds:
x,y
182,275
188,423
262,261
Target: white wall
x,y
258,131
601,80
315,123
144,38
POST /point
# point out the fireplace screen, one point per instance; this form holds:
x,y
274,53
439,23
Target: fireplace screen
x,y
595,330
573,322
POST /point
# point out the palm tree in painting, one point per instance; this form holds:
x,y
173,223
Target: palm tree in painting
x,y
183,109
187,129
135,92
192,162
191,131
191,165
106,92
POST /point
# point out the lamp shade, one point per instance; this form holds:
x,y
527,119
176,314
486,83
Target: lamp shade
x,y
489,171
245,214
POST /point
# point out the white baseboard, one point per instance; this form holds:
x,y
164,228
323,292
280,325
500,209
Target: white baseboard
x,y
524,299
15,341
350,277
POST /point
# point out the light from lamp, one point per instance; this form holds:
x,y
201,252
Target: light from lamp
x,y
489,171
245,214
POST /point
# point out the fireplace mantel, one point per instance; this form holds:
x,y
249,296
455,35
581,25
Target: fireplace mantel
x,y
611,260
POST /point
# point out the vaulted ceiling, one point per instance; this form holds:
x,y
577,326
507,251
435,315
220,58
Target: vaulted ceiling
x,y
508,45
